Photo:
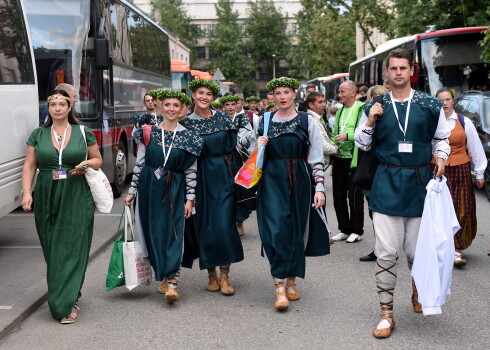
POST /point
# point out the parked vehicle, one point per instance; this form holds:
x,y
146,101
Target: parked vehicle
x,y
476,106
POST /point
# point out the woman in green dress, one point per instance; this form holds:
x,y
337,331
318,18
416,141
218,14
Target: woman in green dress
x,y
219,242
164,178
292,180
63,205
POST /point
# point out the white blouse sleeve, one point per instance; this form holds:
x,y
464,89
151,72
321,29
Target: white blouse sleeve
x,y
364,134
140,163
440,142
474,148
315,154
191,181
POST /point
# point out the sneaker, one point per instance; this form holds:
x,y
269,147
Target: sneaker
x,y
354,237
340,237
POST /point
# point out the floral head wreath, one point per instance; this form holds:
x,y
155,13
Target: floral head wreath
x,y
211,85
269,106
153,93
216,104
229,98
163,94
252,99
282,82
58,97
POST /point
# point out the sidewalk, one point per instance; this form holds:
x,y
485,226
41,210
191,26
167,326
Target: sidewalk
x,y
23,285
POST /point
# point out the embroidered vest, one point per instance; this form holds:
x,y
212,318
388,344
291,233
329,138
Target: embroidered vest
x,y
457,140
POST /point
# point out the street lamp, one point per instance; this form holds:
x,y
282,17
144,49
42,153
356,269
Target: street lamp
x,y
273,66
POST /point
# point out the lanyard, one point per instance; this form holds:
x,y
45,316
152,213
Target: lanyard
x,y
60,151
342,128
165,154
407,113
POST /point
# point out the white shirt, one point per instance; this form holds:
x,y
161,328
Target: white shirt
x,y
434,255
328,148
473,144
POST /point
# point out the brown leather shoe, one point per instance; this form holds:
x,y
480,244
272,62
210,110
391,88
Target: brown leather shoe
x,y
226,287
171,295
417,307
240,228
213,284
162,289
291,291
282,302
385,332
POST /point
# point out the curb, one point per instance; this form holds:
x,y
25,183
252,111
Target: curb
x,y
31,302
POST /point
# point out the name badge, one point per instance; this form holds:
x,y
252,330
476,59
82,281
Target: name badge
x,y
59,174
405,147
158,173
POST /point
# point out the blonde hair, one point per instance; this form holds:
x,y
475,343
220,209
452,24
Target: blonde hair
x,y
375,91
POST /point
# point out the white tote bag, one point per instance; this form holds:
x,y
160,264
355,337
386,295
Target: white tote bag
x,y
99,185
137,269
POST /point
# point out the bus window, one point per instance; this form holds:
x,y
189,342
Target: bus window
x,y
15,55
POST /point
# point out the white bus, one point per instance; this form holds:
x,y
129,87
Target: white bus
x,y
18,100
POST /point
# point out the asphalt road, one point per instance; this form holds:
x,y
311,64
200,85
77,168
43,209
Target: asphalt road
x,y
338,308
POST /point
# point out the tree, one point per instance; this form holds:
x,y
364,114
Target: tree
x,y
327,41
486,42
265,26
228,47
173,17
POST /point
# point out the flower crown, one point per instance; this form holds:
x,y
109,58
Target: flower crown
x,y
216,103
252,99
153,93
282,82
269,106
211,85
58,97
229,98
163,94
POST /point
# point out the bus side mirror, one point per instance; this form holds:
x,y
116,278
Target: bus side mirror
x,y
415,77
101,53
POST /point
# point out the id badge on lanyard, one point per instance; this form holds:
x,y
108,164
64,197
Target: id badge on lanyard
x,y
60,174
403,146
159,172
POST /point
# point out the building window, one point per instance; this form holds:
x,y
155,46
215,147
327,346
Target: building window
x,y
295,29
201,52
211,30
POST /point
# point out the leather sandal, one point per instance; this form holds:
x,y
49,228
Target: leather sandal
x,y
171,295
162,289
226,287
388,325
458,260
71,318
417,307
282,302
291,291
213,284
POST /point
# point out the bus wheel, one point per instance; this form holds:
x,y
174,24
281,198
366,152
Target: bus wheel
x,y
120,170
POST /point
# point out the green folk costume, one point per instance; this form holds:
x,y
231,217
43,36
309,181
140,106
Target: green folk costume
x,y
64,216
149,119
399,184
161,201
219,242
289,227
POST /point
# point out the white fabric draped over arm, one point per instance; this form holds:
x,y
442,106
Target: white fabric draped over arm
x,y
440,142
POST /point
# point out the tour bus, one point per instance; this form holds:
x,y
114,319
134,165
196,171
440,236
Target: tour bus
x,y
112,53
18,101
329,85
181,76
443,58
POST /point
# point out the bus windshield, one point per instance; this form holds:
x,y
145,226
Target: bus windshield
x,y
59,32
454,62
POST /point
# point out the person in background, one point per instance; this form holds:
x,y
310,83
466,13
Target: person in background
x,y
240,104
285,194
362,93
348,200
303,106
164,177
216,105
331,120
373,91
63,204
466,147
387,84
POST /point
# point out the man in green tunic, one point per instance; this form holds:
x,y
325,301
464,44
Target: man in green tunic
x,y
405,125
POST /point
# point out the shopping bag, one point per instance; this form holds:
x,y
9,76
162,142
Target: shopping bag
x,y
100,187
250,173
137,269
115,274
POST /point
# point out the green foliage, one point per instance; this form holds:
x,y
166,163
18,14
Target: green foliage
x,y
229,98
327,40
211,85
252,99
486,42
163,94
228,48
265,27
282,82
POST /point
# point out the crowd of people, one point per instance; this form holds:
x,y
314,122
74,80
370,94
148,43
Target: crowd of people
x,y
183,190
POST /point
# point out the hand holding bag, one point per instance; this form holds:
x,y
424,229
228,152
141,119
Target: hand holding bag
x,y
115,274
250,173
137,269
100,186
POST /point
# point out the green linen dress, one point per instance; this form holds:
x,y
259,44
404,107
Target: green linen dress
x,y
64,216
